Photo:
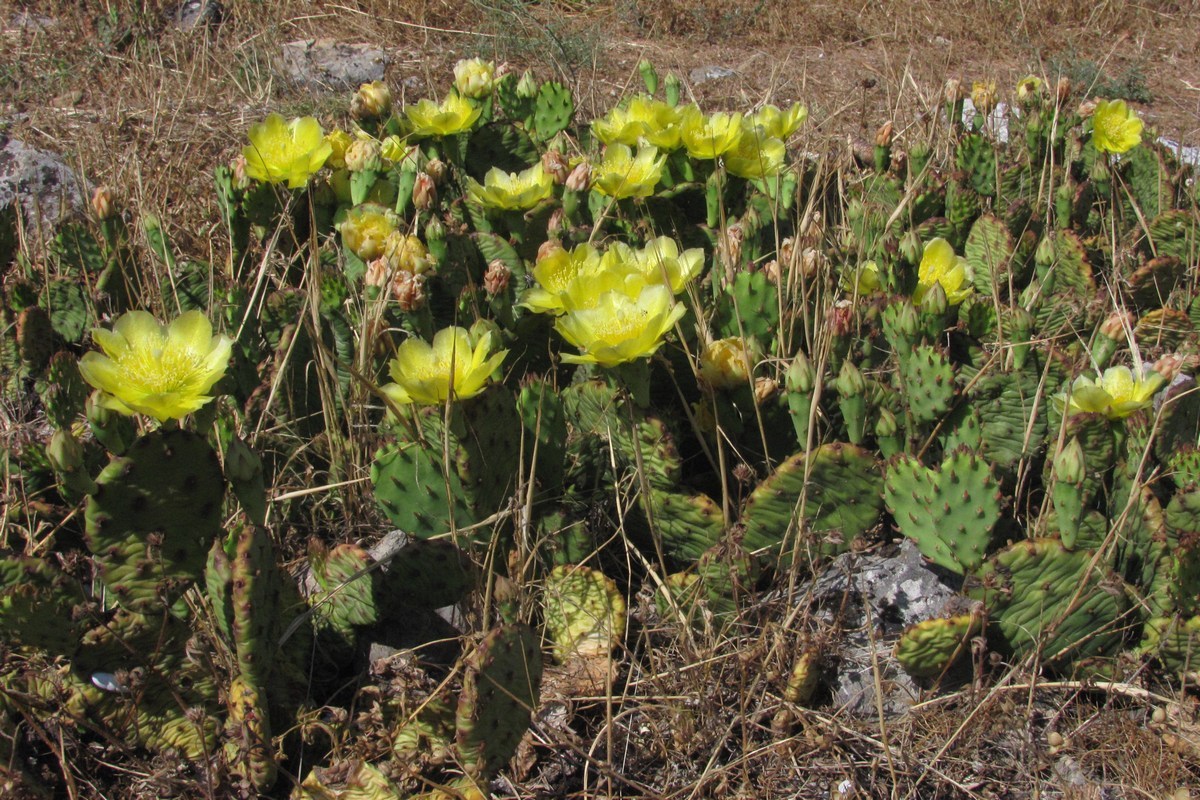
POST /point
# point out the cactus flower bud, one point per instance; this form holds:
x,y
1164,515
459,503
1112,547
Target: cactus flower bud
x,y
649,75
556,166
1169,366
339,142
65,453
436,169
772,271
102,203
850,381
1117,325
408,290
983,96
1062,90
497,277
580,178
1070,465
801,377
377,272
371,101
527,87
424,193
934,302
672,89
886,425
727,363
953,91
363,155
241,180
764,389
405,252
556,225
883,136
474,77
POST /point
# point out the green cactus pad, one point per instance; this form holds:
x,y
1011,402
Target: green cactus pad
x,y
749,307
346,599
63,391
38,604
842,501
685,524
553,109
927,383
949,512
1175,233
989,251
584,613
154,515
501,687
423,574
1151,284
1175,641
1163,330
929,648
1042,596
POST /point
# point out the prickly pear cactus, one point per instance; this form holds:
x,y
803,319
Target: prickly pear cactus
x,y
1061,603
949,512
153,517
927,649
840,486
584,612
501,686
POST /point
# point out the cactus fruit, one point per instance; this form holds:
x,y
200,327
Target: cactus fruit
x,y
928,648
584,612
1061,603
501,686
153,516
949,512
842,501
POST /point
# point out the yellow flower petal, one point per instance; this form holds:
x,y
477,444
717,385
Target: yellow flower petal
x,y
161,371
452,368
286,152
1115,128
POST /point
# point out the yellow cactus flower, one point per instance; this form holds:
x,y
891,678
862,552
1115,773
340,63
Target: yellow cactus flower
x,y
1029,88
405,252
757,155
1116,393
512,191
779,124
941,265
162,371
659,262
620,328
710,137
366,228
644,118
1115,127
474,77
286,152
983,96
728,363
863,279
372,100
457,367
456,114
621,174
554,273
339,142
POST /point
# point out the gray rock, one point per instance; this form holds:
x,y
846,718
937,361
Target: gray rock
x,y
335,66
874,598
27,21
41,186
198,14
710,73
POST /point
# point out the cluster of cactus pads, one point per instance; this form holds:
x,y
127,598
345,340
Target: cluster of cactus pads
x,y
880,396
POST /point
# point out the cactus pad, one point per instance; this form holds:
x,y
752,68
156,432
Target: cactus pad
x,y
584,612
949,512
929,648
154,514
1042,596
842,500
501,687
